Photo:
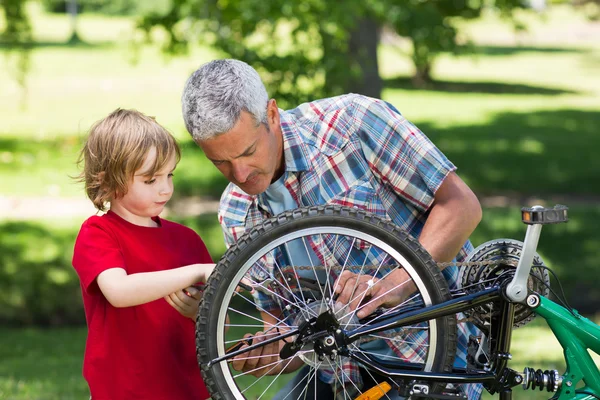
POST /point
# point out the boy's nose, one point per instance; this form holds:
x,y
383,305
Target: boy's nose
x,y
166,188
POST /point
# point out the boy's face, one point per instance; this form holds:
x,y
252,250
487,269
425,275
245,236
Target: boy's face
x,y
249,156
146,196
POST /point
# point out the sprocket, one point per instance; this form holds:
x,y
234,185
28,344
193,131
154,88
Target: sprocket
x,y
505,254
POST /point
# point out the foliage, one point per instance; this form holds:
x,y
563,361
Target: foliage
x,y
17,36
302,49
108,7
312,49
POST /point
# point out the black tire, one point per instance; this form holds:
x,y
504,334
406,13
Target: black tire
x,y
365,235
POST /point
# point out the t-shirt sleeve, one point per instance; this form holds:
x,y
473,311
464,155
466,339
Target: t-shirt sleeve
x,y
399,154
96,250
203,254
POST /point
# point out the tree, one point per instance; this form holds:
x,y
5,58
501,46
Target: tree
x,y
17,36
303,50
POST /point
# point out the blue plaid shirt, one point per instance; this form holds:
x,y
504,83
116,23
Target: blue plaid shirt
x,y
360,152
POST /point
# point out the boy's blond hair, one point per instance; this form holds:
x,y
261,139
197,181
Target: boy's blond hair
x,y
116,148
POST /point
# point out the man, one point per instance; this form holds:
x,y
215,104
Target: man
x,y
350,150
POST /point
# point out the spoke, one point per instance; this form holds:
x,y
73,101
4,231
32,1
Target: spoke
x,y
291,292
346,375
265,334
298,384
281,321
389,311
312,267
313,372
281,297
364,293
252,357
259,308
273,381
289,253
377,384
256,369
328,269
344,264
375,298
302,308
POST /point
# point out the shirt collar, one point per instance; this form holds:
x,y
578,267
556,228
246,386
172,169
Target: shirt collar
x,y
295,150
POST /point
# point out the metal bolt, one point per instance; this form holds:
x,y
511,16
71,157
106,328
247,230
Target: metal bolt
x,y
518,378
533,300
338,331
569,383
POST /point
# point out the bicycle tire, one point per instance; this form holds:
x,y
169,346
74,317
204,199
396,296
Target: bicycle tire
x,y
238,263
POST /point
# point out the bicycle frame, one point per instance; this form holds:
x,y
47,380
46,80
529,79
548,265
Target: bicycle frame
x,y
575,333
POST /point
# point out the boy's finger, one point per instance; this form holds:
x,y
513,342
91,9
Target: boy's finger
x,y
193,293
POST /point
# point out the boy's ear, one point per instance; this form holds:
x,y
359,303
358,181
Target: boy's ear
x,y
103,188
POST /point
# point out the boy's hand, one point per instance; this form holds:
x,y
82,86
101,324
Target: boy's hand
x,y
185,301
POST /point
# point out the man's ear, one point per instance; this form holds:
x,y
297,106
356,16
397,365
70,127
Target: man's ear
x,y
273,114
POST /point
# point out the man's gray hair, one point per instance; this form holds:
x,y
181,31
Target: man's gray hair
x,y
216,94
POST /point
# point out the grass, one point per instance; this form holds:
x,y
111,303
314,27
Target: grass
x,y
45,364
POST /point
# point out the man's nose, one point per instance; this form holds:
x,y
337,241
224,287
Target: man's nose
x,y
240,172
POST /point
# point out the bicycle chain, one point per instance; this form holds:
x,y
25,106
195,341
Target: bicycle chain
x,y
441,265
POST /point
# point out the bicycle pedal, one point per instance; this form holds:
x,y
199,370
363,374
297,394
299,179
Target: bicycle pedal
x,y
376,392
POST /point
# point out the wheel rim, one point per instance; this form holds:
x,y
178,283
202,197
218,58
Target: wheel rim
x,y
230,375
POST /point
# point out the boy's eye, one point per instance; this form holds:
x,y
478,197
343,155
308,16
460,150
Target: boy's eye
x,y
150,181
171,175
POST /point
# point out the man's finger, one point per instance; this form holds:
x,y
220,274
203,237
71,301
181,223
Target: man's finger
x,y
375,300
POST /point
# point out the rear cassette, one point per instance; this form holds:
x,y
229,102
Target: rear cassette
x,y
498,262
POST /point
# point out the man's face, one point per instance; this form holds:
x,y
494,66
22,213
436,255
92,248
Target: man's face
x,y
250,156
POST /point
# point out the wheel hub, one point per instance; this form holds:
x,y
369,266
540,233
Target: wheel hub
x,y
321,338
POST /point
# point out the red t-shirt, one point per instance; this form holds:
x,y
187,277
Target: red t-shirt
x,y
147,351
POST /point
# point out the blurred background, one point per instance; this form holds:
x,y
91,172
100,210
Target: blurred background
x,y
509,90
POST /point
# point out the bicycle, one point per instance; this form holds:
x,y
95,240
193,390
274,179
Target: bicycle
x,y
259,297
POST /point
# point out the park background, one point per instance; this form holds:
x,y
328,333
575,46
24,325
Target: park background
x,y
516,106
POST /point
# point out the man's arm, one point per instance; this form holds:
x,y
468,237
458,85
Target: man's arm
x,y
453,217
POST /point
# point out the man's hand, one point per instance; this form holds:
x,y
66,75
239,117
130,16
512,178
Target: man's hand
x,y
366,293
185,301
265,360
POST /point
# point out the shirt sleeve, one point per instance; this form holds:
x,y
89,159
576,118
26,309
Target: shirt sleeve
x,y
96,250
399,154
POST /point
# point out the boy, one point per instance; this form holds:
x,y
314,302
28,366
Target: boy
x,y
136,269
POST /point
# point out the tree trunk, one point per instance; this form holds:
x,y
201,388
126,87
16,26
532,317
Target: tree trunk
x,y
72,10
362,53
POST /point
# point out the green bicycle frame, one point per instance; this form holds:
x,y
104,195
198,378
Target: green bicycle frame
x,y
576,335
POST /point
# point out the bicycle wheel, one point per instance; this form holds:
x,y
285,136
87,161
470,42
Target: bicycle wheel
x,y
278,284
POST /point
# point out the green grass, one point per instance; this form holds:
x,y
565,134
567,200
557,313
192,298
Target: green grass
x,y
518,116
45,364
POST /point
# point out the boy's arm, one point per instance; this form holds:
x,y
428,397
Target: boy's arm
x,y
122,290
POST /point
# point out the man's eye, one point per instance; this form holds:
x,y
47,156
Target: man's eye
x,y
217,163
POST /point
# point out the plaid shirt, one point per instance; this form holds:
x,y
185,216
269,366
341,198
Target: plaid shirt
x,y
360,152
